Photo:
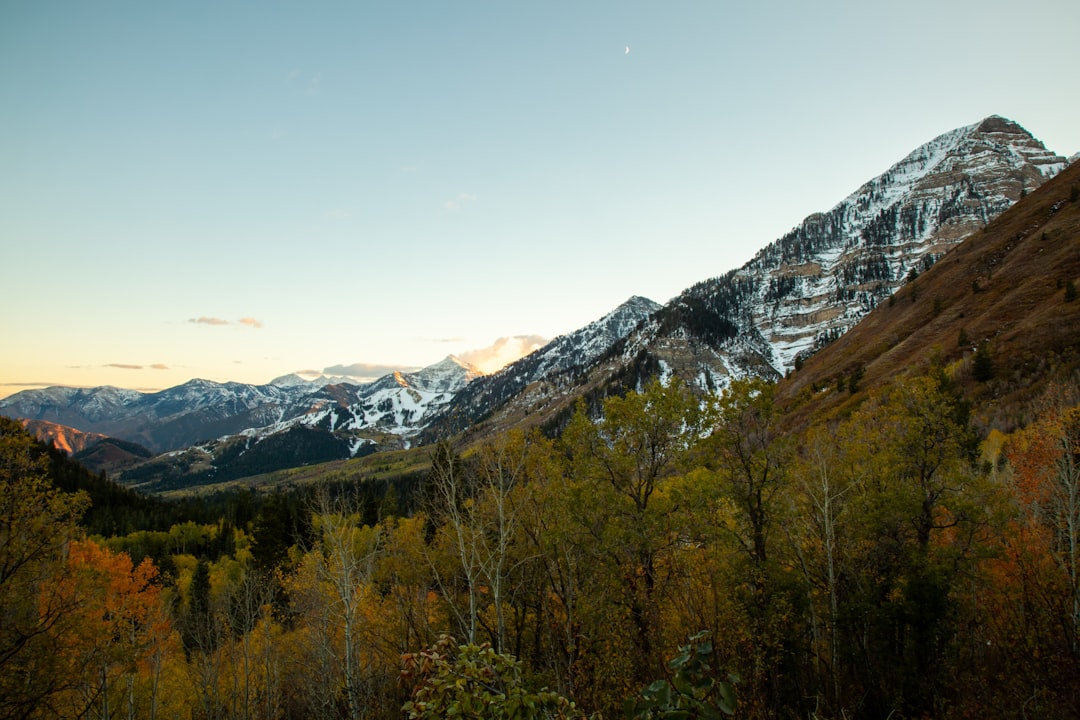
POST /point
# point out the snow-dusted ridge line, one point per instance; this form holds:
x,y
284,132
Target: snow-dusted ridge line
x,y
819,279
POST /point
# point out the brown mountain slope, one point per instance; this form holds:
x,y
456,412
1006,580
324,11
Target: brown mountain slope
x,y
62,437
1009,289
94,451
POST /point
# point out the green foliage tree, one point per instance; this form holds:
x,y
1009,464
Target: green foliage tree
x,y
750,458
855,378
282,521
750,455
919,506
198,616
625,465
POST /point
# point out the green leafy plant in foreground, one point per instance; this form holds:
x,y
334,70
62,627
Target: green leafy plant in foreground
x,y
477,683
691,693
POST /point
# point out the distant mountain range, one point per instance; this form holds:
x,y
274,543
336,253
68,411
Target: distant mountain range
x,y
797,295
201,410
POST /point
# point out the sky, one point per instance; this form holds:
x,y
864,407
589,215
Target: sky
x,y
241,190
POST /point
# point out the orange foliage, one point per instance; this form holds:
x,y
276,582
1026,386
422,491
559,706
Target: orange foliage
x,y
117,623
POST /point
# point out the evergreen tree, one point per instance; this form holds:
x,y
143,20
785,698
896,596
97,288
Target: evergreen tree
x,y
982,365
197,618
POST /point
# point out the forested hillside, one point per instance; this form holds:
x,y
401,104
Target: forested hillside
x,y
879,564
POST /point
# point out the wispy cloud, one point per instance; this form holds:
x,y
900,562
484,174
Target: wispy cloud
x,y
159,366
295,76
31,384
248,321
502,352
366,370
459,201
123,366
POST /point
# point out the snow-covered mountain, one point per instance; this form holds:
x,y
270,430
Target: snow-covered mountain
x,y
202,410
207,431
808,287
172,418
293,380
446,397
563,356
398,404
391,410
814,283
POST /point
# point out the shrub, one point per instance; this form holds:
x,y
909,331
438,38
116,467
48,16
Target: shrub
x,y
692,692
474,681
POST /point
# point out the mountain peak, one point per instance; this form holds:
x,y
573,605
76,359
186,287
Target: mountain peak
x,y
290,380
449,374
640,301
999,124
807,288
452,359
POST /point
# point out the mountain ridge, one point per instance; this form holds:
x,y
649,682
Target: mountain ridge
x,y
794,297
807,288
814,283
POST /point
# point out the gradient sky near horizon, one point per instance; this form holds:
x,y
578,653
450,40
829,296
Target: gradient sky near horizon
x,y
239,190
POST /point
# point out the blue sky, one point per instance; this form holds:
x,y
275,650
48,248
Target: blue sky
x,y
241,190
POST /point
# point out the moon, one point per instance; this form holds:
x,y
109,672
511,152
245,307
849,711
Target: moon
x,y
627,50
